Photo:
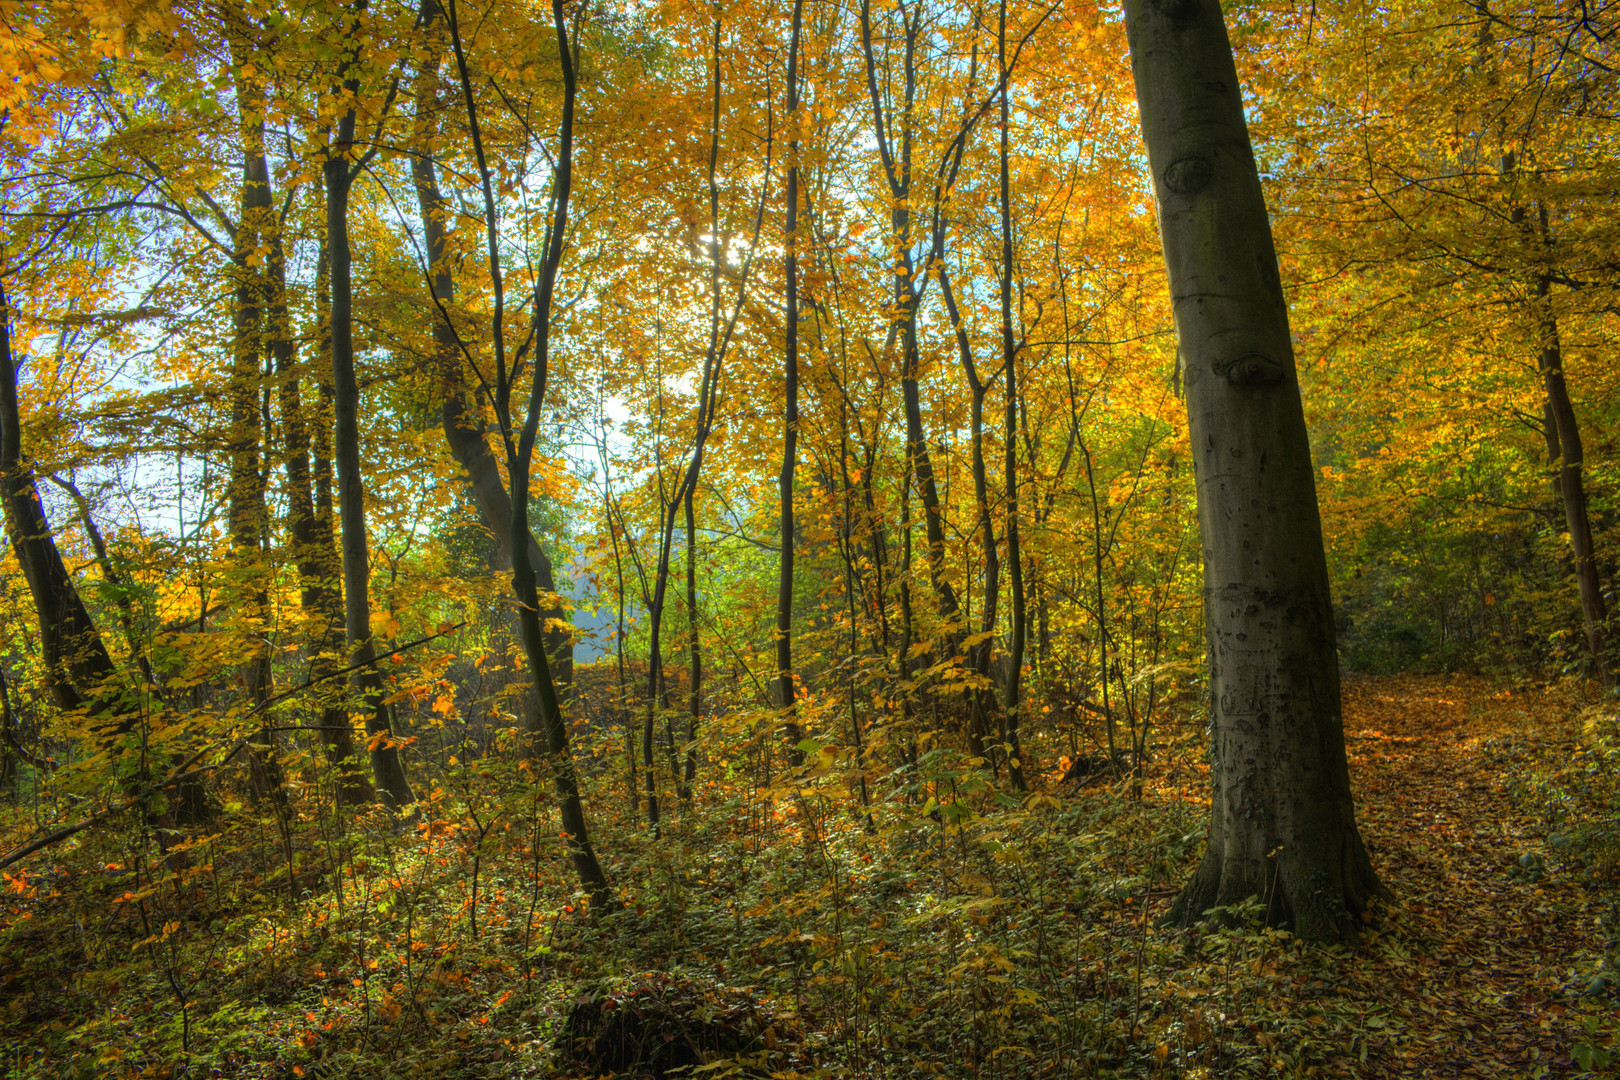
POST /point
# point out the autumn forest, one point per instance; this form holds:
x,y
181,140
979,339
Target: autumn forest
x,y
809,538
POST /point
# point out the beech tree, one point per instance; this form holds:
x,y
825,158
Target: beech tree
x,y
1447,166
1282,823
339,170
790,382
465,432
410,259
548,739
79,670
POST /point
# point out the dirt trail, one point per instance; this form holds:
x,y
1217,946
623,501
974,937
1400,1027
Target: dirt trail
x,y
1468,971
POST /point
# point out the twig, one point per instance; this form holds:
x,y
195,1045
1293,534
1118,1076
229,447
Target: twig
x,y
187,772
8,730
306,684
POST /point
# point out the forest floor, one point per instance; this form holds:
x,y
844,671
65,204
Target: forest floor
x,y
1478,962
780,932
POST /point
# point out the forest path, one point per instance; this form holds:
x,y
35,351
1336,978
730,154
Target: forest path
x,y
1469,970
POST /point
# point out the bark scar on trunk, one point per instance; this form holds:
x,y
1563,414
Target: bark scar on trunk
x,y
1251,369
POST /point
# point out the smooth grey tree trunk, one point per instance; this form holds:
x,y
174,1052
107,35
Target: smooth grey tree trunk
x,y
79,671
894,131
78,668
981,699
686,774
549,742
1282,823
790,384
1017,632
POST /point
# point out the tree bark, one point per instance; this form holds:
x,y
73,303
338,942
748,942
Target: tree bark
x,y
790,392
549,743
981,699
9,744
895,148
79,671
1009,359
1099,550
1282,824
614,528
309,522
387,769
1567,456
464,428
78,668
694,696
247,514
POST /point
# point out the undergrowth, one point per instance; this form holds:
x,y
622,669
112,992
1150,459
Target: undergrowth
x,y
1575,787
950,928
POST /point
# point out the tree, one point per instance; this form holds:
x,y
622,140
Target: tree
x,y
464,429
790,383
43,236
248,514
1447,170
339,174
550,741
1282,823
79,669
1010,348
309,516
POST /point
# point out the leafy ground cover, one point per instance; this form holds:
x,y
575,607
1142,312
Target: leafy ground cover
x,y
785,931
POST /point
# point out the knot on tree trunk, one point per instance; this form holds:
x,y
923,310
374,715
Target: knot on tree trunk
x,y
1251,369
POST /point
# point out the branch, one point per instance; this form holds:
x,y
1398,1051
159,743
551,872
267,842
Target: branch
x,y
187,772
8,729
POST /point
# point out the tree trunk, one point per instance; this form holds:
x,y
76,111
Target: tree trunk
x,y
247,515
895,148
1282,824
79,671
722,330
903,658
614,528
548,742
1009,358
10,743
981,700
922,471
464,428
1567,455
694,697
879,538
1098,551
387,769
790,394
852,591
78,668
309,524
